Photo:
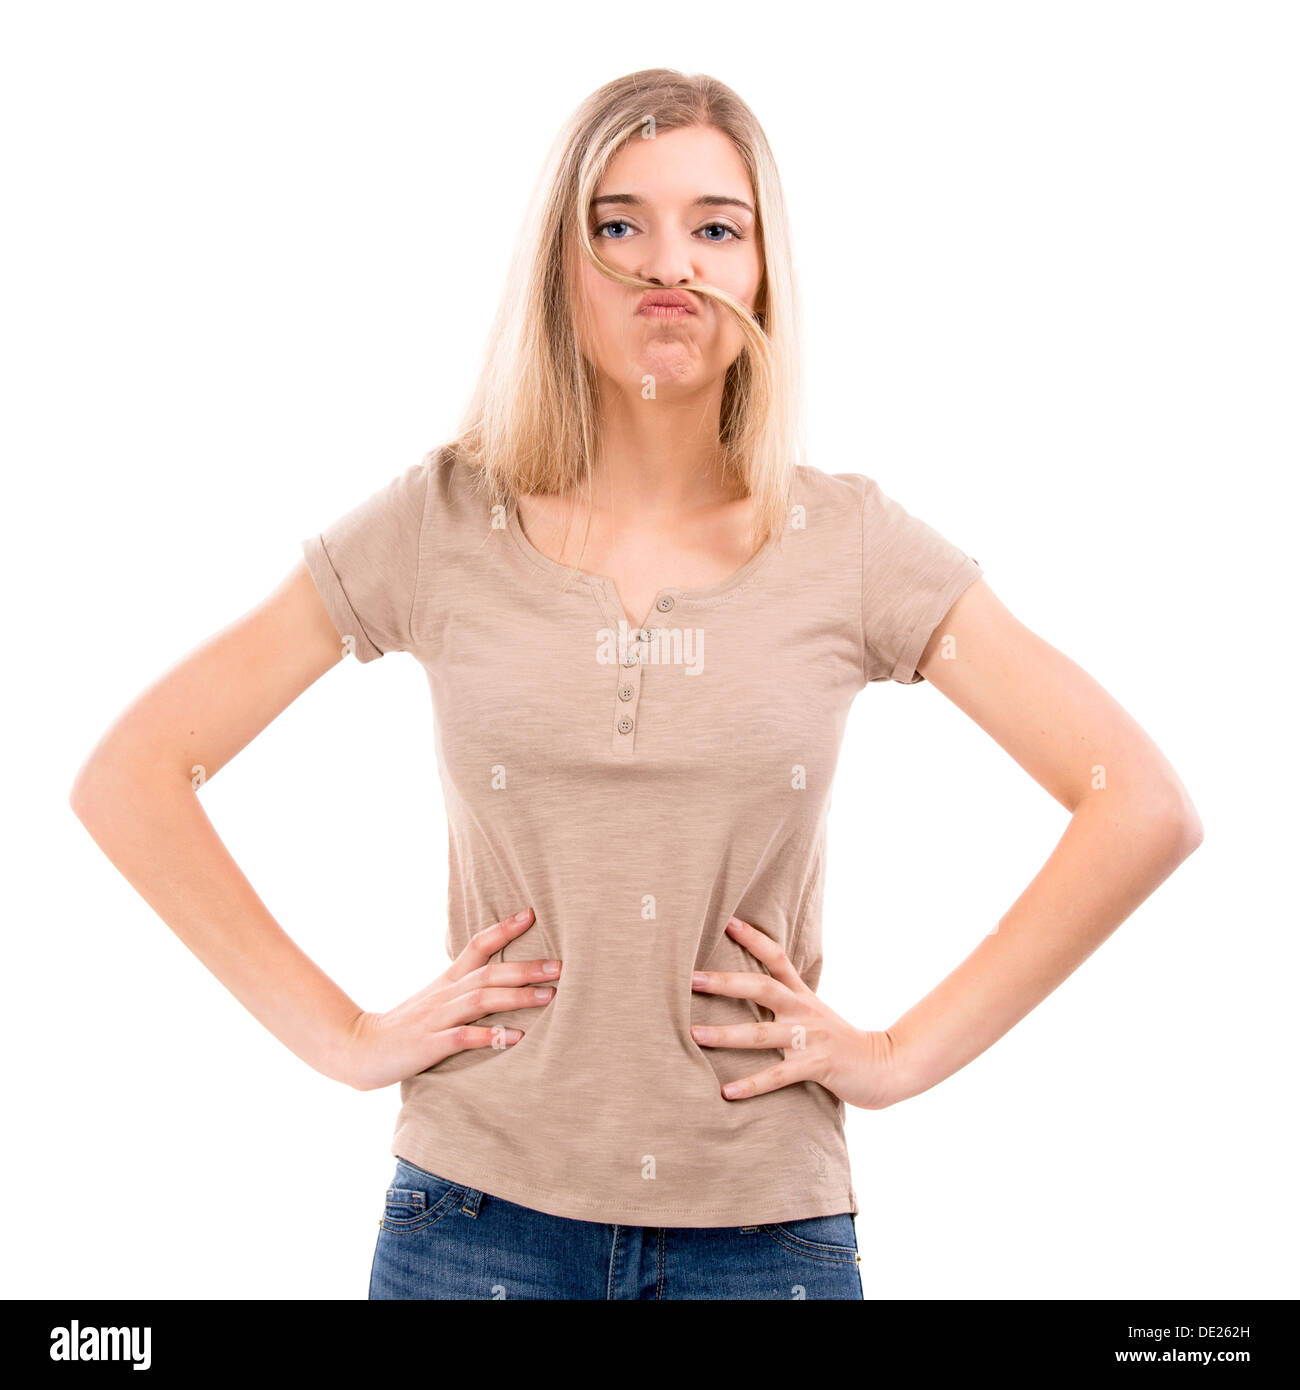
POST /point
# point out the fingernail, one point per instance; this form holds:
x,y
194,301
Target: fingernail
x,y
699,1034
731,1091
699,978
520,916
543,993
551,967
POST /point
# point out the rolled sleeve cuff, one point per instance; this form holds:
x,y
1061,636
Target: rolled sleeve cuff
x,y
345,620
936,610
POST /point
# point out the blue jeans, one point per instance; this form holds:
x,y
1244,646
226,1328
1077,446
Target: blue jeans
x,y
441,1240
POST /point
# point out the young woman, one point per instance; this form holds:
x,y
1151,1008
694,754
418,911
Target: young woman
x,y
643,624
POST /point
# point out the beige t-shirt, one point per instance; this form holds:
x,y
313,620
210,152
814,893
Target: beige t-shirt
x,y
636,794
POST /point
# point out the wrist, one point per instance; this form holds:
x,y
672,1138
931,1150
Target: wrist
x,y
343,1051
891,1074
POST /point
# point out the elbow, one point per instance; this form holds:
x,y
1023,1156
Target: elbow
x,y
78,792
85,793
1176,821
95,791
116,780
1193,831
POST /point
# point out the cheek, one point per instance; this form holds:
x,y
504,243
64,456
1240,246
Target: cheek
x,y
742,279
599,304
745,276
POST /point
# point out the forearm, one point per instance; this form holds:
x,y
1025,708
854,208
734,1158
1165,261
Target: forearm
x,y
156,833
1114,853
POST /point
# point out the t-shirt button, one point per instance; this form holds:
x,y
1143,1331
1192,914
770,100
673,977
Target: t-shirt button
x,y
626,693
631,659
664,604
625,725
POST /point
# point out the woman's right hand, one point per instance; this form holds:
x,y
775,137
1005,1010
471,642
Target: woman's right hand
x,y
389,1047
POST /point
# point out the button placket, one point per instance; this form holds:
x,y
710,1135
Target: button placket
x,y
627,701
627,693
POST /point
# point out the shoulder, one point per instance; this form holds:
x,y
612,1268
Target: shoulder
x,y
457,498
816,486
882,517
829,503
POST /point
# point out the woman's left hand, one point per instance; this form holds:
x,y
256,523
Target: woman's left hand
x,y
818,1044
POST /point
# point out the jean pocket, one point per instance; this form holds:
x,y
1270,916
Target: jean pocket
x,y
830,1238
416,1199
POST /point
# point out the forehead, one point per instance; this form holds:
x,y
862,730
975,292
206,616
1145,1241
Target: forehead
x,y
678,165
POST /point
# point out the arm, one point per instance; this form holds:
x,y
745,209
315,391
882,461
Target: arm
x,y
135,795
1131,825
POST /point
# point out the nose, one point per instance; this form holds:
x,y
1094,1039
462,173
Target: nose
x,y
667,262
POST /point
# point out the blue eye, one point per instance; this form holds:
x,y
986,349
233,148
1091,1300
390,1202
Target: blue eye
x,y
719,227
606,226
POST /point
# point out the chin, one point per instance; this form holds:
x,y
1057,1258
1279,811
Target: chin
x,y
673,365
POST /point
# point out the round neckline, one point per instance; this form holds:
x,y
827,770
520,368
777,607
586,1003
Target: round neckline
x,y
702,594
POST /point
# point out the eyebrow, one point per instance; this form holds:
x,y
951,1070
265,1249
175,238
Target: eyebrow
x,y
709,200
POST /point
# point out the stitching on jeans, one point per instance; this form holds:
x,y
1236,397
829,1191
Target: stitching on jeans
x,y
428,1217
818,1244
613,1260
814,1250
404,1197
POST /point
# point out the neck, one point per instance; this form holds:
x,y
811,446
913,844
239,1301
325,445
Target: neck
x,y
658,456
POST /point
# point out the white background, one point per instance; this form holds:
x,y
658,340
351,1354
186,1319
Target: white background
x,y
1047,255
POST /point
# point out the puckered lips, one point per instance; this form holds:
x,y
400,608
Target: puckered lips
x,y
665,304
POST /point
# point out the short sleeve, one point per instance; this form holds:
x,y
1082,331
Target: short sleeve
x,y
366,565
911,577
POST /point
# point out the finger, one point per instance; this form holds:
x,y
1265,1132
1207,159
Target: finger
x,y
768,950
478,1003
771,1079
483,945
762,989
513,972
760,1034
466,1036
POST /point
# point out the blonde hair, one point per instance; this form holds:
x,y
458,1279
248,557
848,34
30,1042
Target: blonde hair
x,y
531,425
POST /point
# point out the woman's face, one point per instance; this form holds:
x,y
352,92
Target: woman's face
x,y
675,210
